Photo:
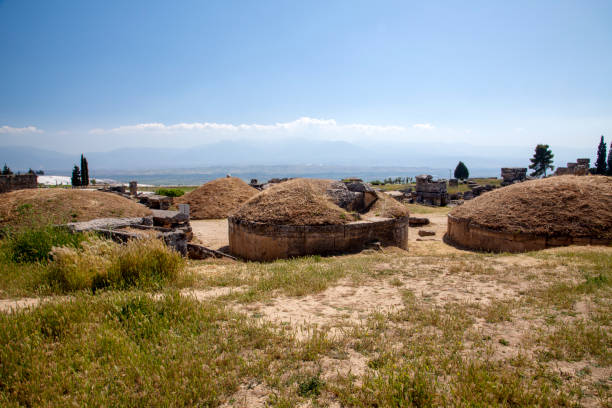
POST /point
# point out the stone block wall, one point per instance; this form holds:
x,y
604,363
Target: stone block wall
x,y
579,168
265,242
431,192
512,175
17,182
464,233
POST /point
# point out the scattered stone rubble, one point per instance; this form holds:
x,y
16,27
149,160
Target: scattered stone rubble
x,y
263,186
155,202
170,226
579,168
431,192
417,221
352,195
511,175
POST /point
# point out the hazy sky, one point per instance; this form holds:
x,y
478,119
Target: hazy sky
x,y
97,75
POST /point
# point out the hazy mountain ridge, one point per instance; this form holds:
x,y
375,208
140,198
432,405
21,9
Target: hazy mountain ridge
x,y
289,152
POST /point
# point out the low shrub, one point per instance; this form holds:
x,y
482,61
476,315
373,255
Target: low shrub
x,y
101,263
73,269
170,192
145,263
35,244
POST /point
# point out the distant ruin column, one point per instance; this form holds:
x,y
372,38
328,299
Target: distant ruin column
x,y
184,209
134,188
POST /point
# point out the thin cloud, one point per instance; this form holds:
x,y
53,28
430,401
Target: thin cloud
x,y
424,126
298,125
19,131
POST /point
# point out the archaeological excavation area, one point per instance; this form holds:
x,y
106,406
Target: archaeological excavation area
x,y
193,322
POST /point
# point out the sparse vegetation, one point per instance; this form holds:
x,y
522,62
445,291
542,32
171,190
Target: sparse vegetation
x,y
433,326
103,264
170,192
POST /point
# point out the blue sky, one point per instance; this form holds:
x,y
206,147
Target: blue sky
x,y
97,75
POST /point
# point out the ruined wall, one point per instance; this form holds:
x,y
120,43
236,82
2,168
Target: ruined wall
x,y
512,175
465,234
431,192
17,182
580,168
265,242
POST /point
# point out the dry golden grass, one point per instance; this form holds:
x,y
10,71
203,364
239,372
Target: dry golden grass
x,y
305,202
565,205
57,205
218,198
295,202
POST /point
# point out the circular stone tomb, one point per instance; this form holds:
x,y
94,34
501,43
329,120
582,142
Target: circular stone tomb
x,y
537,214
309,216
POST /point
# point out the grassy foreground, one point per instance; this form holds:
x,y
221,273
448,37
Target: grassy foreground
x,y
431,327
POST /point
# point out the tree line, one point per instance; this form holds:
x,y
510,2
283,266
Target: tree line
x,y
6,171
542,161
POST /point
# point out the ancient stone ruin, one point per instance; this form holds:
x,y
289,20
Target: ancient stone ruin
x,y
579,168
172,227
431,192
536,214
306,217
17,182
511,175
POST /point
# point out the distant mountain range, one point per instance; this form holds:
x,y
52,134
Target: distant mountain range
x,y
300,152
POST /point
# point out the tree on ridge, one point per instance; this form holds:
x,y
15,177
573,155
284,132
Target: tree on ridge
x,y
600,163
541,161
76,176
461,171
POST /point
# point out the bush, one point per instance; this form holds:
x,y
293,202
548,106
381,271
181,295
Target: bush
x,y
73,269
145,263
170,192
101,263
35,244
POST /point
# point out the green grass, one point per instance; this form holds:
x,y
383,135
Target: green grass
x,y
46,260
184,189
130,350
35,244
426,209
127,347
170,192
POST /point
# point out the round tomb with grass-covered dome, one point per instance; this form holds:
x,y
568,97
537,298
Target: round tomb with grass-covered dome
x,y
537,214
313,216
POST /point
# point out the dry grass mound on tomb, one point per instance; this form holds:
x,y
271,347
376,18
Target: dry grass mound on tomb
x,y
554,211
218,198
305,202
311,216
58,205
387,207
294,202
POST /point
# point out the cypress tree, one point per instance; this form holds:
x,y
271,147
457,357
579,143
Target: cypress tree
x,y
541,160
600,163
6,171
610,161
84,172
76,177
461,171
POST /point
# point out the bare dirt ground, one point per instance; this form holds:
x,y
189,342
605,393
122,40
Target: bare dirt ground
x,y
211,233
